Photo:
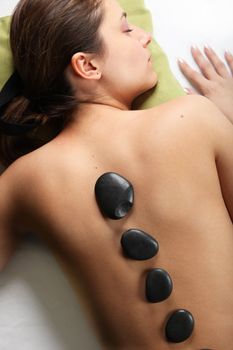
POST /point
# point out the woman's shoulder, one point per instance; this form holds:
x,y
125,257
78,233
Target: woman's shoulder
x,y
187,119
26,186
190,109
188,103
22,177
14,187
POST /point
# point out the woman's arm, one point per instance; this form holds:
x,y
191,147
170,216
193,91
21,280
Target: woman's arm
x,y
8,240
215,80
219,131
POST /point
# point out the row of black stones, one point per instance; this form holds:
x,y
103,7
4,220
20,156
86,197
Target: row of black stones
x,y
115,196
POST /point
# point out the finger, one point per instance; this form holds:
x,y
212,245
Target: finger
x,y
218,65
205,66
229,59
199,82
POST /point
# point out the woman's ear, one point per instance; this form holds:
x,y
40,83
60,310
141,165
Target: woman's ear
x,y
85,66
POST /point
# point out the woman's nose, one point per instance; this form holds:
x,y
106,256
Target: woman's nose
x,y
146,39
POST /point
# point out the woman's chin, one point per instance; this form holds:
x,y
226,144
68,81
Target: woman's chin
x,y
154,78
140,99
151,83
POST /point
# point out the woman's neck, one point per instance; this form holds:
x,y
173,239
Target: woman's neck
x,y
94,115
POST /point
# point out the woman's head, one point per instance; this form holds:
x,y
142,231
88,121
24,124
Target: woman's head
x,y
44,36
126,68
124,71
81,46
68,52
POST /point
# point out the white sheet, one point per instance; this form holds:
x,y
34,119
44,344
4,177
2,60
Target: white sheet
x,y
38,308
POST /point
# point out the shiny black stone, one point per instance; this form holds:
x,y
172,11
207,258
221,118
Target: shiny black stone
x,y
179,326
158,285
139,245
114,195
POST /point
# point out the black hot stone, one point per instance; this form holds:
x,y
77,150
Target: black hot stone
x,y
179,326
114,195
158,285
139,245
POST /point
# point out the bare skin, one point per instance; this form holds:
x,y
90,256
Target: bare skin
x,y
176,156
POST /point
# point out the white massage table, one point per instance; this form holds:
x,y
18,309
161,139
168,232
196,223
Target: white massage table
x,y
38,307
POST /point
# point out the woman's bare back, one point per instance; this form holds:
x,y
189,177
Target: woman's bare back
x,y
171,162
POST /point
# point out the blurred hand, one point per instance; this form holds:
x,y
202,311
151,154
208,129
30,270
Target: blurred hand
x,y
215,81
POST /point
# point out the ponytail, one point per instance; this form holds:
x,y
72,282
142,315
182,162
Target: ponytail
x,y
14,144
24,124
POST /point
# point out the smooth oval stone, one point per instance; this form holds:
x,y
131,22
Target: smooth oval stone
x,y
158,285
179,326
114,195
139,245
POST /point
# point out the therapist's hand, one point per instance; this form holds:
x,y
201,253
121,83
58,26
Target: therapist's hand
x,y
215,81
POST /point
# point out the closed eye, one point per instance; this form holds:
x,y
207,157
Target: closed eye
x,y
128,30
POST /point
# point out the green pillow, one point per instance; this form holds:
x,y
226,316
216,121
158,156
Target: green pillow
x,y
6,62
167,87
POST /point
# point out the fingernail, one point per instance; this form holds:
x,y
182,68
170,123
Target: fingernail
x,y
186,90
228,53
195,47
180,60
208,47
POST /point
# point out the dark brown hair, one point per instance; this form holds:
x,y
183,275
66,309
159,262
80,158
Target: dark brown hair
x,y
44,35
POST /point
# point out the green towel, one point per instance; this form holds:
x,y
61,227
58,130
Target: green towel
x,y
6,64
